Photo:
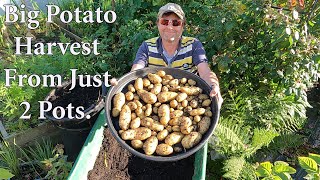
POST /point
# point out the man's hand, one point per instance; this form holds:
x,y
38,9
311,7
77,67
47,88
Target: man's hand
x,y
216,92
113,82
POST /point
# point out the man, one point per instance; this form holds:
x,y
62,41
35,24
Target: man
x,y
172,49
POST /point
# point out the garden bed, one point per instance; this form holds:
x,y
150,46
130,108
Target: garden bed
x,y
115,162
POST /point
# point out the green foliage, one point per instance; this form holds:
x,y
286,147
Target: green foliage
x,y
311,165
58,166
41,152
9,157
278,171
5,174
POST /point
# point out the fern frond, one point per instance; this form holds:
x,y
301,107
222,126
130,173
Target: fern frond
x,y
233,167
285,141
261,137
232,138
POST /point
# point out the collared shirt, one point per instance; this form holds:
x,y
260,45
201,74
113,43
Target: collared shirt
x,y
189,54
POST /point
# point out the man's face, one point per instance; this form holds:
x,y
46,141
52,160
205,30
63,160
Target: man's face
x,y
170,27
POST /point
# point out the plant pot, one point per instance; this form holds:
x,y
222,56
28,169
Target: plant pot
x,y
123,82
75,130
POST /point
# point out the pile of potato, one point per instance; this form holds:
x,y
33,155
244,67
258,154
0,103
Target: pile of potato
x,y
161,114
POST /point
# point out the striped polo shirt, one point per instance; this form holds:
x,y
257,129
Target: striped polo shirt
x,y
189,54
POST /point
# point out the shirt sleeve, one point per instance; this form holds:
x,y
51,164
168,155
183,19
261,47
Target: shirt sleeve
x,y
199,54
142,55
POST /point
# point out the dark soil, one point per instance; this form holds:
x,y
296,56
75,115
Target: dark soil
x,y
115,162
79,96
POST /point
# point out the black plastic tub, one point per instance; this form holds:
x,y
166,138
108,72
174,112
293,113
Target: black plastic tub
x,y
129,78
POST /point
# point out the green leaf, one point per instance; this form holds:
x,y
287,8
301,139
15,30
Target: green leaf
x,y
283,167
264,169
290,40
284,176
315,157
5,174
308,164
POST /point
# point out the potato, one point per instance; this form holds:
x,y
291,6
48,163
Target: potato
x,y
174,138
138,84
198,111
156,89
138,103
162,134
135,123
164,89
136,144
194,103
161,73
146,82
192,82
140,133
175,121
208,113
168,77
164,149
173,103
129,96
133,115
125,117
176,113
181,97
157,104
191,91
174,82
132,105
169,128
139,112
152,124
164,114
184,103
197,118
154,78
136,97
185,125
155,110
118,101
131,88
206,103
149,147
176,128
148,110
151,86
186,130
166,96
147,97
204,125
183,80
203,96
191,140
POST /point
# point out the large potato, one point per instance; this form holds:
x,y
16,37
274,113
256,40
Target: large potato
x,y
191,91
174,138
149,147
156,89
164,149
197,112
181,97
204,125
125,117
118,101
141,133
191,140
138,84
166,96
154,78
164,114
162,134
147,97
137,144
